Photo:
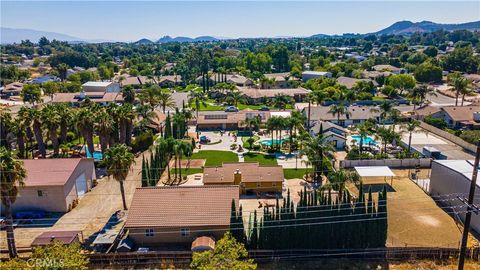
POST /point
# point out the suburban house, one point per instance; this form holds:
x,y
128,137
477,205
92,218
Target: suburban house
x,y
349,83
250,176
278,80
255,95
454,177
357,115
332,133
475,80
52,185
160,216
218,120
134,80
389,68
237,79
308,75
454,116
12,89
170,81
106,87
74,99
44,79
157,123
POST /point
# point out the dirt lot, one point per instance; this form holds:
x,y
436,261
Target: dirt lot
x,y
92,212
414,219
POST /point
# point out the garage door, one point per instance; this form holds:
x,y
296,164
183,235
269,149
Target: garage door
x,y
81,184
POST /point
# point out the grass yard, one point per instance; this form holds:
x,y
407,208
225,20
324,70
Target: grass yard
x,y
215,158
260,158
245,138
294,173
188,171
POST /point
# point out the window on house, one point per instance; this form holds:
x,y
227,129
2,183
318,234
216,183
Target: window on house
x,y
356,121
40,193
149,232
185,232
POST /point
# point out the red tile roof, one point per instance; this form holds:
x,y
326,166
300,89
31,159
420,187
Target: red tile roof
x,y
65,237
252,172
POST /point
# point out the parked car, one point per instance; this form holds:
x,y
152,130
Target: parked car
x,y
231,109
264,109
204,139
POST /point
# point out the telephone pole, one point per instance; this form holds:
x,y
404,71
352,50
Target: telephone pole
x,y
468,216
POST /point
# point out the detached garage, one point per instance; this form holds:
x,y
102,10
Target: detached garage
x,y
53,184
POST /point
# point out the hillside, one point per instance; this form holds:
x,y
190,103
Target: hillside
x,y
408,27
13,35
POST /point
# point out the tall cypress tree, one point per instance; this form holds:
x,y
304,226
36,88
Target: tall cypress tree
x,y
168,127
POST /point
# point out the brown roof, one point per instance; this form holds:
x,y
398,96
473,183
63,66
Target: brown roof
x,y
94,96
252,172
65,237
215,117
49,172
170,207
356,113
350,82
461,113
279,77
427,110
270,93
203,243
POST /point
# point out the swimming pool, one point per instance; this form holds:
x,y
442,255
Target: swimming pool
x,y
366,140
275,142
97,155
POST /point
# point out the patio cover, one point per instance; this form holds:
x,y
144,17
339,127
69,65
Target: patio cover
x,y
374,171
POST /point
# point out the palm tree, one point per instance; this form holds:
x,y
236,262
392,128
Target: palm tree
x,y
146,115
459,84
128,93
62,71
271,126
20,132
6,125
36,117
252,123
150,95
25,116
118,160
125,116
338,110
181,148
281,101
235,97
466,91
51,120
386,135
386,109
364,129
318,149
104,126
85,121
64,111
197,97
12,175
166,100
410,127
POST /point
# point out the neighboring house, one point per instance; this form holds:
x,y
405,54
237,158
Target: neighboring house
x,y
12,89
358,115
308,75
44,79
389,68
218,120
157,123
255,96
161,216
237,79
250,176
134,80
475,80
349,83
455,116
53,184
332,132
110,87
375,74
454,177
74,99
170,81
280,80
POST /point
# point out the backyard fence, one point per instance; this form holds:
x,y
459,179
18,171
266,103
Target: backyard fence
x,y
392,163
449,136
183,258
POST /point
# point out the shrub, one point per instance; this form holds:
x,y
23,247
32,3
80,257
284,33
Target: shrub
x,y
142,142
436,122
471,136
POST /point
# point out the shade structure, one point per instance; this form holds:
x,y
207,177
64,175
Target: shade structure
x,y
374,171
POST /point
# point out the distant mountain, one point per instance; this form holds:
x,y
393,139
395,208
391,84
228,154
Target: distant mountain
x,y
144,41
13,35
320,36
408,27
168,39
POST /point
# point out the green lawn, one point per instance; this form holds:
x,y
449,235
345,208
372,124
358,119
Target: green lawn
x,y
260,158
245,138
294,173
188,171
215,158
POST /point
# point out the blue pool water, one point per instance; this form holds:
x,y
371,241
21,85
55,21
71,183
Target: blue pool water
x,y
97,155
275,142
366,140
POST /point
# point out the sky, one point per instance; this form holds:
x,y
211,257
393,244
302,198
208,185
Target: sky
x,y
132,20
